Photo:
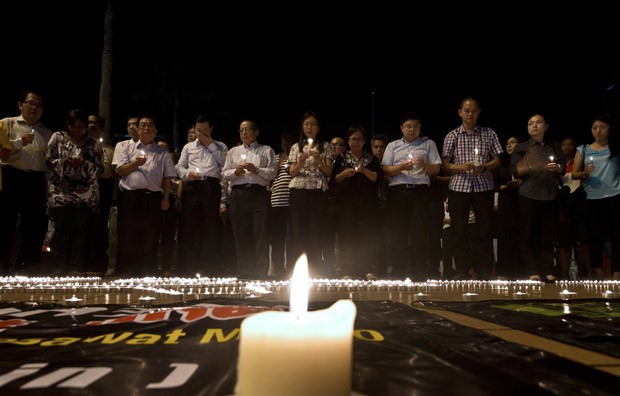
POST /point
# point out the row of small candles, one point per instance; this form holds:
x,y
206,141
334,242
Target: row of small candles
x,y
314,348
175,289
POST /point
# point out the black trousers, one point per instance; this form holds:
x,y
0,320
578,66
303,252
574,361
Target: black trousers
x,y
22,198
200,229
139,225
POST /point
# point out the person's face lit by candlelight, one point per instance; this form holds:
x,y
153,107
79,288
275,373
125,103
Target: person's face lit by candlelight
x,y
311,127
77,128
378,148
411,129
338,146
132,128
536,127
248,132
511,144
147,130
31,108
600,132
469,112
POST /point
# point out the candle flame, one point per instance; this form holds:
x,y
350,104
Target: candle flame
x,y
310,140
142,152
475,151
551,158
243,157
299,288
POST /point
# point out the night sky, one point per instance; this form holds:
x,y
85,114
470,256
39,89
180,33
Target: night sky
x,y
248,63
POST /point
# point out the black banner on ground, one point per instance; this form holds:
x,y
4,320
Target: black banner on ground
x,y
192,350
589,324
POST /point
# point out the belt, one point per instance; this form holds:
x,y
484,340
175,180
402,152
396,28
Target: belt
x,y
250,186
409,185
207,179
143,191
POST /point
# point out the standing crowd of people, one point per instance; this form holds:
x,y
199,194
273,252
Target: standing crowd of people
x,y
134,210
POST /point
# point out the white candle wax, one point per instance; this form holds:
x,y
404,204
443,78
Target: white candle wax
x,y
476,157
297,353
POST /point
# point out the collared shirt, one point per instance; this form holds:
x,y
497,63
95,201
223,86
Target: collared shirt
x,y
120,148
538,184
460,147
401,150
208,161
32,156
150,175
263,157
5,143
310,176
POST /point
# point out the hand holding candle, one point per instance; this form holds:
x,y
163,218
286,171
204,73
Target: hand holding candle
x,y
297,353
141,158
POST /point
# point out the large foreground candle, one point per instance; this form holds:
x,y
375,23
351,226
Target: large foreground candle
x,y
297,353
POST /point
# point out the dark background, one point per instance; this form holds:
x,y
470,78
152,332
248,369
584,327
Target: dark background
x,y
360,65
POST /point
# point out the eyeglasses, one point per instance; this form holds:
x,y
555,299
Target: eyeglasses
x,y
144,125
33,105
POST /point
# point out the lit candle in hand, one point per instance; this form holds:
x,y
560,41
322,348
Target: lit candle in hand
x,y
551,158
476,157
243,157
591,160
309,146
297,353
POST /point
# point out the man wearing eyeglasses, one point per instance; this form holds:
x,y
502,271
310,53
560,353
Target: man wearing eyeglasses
x,y
338,146
24,184
145,170
250,168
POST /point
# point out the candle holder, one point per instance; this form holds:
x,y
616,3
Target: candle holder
x,y
73,301
609,294
520,296
470,296
567,295
421,297
146,301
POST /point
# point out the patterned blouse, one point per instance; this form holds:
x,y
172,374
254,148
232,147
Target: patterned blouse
x,y
310,176
70,184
